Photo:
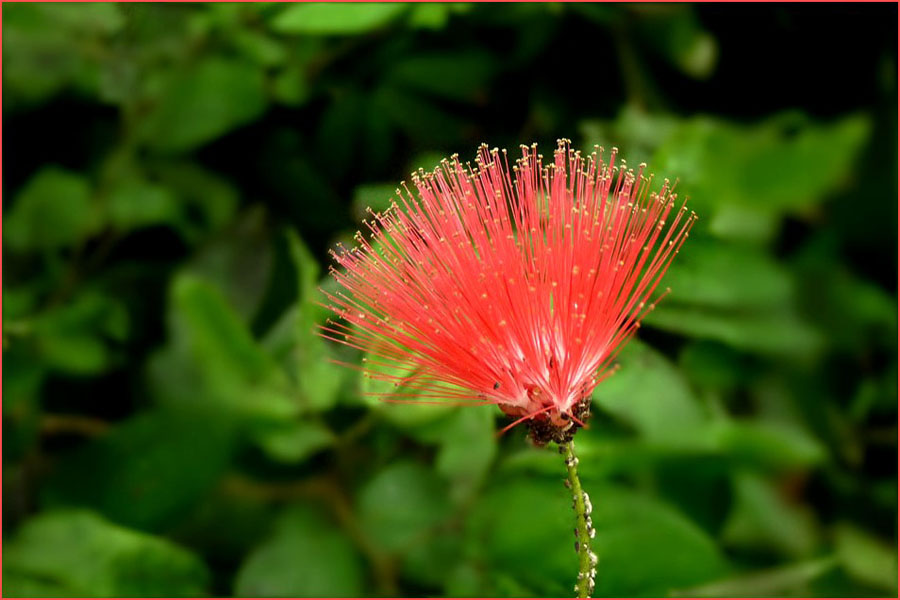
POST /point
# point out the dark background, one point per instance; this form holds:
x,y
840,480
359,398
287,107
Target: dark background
x,y
174,175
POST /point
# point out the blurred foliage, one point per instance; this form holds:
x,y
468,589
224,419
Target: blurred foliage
x,y
176,172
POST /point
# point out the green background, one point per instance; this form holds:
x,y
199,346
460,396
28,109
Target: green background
x,y
173,178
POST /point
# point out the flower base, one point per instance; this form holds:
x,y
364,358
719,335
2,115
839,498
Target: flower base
x,y
542,429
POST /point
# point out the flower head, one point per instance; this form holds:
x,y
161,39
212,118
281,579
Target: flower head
x,y
508,286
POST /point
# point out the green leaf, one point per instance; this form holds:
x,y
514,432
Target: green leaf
x,y
212,362
149,471
714,365
781,334
645,548
430,15
650,394
857,313
800,167
867,558
523,527
53,47
258,47
80,353
212,367
466,438
89,17
468,580
307,556
874,396
768,445
727,276
51,191
786,163
741,179
204,102
427,161
677,35
295,442
77,553
468,449
319,379
290,86
136,203
751,224
763,518
322,18
216,335
432,562
377,196
785,581
408,415
401,506
79,337
308,270
19,302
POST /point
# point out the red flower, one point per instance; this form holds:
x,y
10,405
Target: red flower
x,y
516,289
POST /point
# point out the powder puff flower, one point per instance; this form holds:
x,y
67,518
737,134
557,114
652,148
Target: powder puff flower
x,y
510,286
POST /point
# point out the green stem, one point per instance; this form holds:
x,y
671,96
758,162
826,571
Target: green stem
x,y
584,530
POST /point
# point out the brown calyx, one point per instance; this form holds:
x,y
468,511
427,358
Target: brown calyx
x,y
558,427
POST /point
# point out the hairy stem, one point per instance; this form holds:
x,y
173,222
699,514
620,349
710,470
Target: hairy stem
x,y
584,529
